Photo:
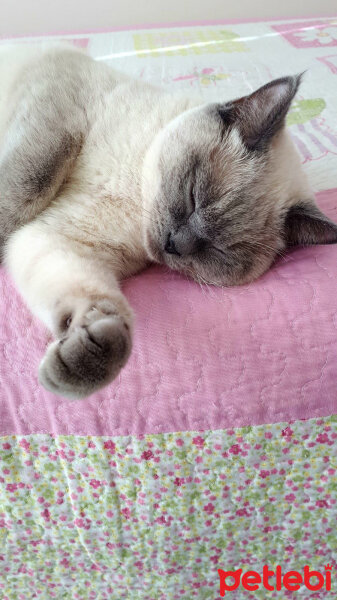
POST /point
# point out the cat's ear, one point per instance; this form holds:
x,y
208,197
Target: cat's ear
x,y
306,225
261,115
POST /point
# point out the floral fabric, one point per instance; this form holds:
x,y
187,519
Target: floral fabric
x,y
153,517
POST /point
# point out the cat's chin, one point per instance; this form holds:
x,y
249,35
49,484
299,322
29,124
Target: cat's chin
x,y
188,271
158,256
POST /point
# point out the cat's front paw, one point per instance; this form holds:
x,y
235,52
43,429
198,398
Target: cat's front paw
x,y
89,356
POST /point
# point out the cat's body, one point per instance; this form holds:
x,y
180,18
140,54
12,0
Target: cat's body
x,y
88,160
101,203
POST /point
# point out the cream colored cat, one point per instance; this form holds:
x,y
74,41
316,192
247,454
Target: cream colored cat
x,y
101,175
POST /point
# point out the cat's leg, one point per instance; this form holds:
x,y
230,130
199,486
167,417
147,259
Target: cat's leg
x,y
33,165
78,298
43,126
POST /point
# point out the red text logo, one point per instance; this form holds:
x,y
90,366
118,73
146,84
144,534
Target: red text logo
x,y
274,580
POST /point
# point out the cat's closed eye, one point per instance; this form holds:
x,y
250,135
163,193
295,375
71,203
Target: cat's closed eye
x,y
192,202
218,250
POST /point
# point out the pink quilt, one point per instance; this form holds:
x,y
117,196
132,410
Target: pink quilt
x,y
203,358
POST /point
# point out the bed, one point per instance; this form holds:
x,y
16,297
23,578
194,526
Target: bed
x,y
216,446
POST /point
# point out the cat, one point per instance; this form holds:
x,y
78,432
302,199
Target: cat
x,y
102,175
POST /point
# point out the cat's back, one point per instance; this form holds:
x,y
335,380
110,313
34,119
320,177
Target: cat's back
x,y
50,76
13,60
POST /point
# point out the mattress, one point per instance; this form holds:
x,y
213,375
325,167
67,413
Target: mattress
x,y
215,448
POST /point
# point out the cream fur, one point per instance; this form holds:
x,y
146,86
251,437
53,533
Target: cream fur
x,y
95,232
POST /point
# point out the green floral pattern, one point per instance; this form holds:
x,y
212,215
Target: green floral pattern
x,y
190,41
303,111
154,517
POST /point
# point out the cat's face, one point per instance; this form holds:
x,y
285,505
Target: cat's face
x,y
227,192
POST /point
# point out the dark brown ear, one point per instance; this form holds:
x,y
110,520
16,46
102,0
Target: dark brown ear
x,y
262,114
306,225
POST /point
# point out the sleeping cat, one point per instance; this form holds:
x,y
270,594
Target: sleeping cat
x,y
100,175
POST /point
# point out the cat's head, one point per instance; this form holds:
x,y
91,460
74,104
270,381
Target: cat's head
x,y
224,192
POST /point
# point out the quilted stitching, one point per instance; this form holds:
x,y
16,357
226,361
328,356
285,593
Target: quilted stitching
x,y
203,358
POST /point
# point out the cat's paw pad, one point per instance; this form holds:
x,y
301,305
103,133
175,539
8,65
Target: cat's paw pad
x,y
89,356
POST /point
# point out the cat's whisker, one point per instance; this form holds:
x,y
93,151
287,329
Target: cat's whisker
x,y
203,283
265,246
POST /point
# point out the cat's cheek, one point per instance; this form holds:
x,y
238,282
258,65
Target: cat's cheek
x,y
151,248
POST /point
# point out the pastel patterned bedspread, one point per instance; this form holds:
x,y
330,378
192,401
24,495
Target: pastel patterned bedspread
x,y
216,447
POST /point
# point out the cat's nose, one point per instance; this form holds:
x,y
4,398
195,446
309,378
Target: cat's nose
x,y
184,242
170,246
